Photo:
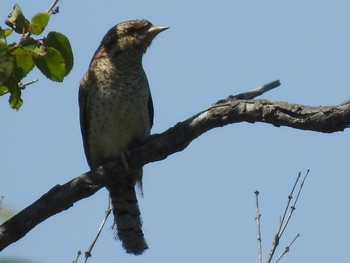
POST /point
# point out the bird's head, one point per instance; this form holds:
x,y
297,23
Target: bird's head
x,y
134,34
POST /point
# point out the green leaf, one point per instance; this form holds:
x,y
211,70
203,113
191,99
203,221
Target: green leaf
x,y
15,97
38,23
3,47
7,63
33,46
15,91
61,43
17,21
5,33
52,65
3,90
24,63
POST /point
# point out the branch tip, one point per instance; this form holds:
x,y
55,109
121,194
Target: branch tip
x,y
53,9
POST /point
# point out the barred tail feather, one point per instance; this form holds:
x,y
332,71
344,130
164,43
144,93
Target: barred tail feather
x,y
127,217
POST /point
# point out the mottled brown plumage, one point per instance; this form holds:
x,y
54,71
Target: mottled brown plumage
x,y
116,112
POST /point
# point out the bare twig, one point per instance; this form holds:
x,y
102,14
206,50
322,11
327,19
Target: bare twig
x,y
286,218
286,249
256,92
77,257
251,94
23,85
107,213
292,207
53,9
301,187
257,220
283,221
275,243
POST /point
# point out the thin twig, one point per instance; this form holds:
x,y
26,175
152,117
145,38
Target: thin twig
x,y
53,9
292,207
286,249
256,92
290,197
286,216
77,257
257,220
275,243
23,85
107,212
282,224
301,187
251,94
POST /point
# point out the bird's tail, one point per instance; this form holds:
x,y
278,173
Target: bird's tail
x,y
127,217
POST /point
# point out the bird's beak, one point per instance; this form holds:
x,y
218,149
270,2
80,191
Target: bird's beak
x,y
155,30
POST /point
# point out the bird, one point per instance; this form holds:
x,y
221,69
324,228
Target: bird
x,y
116,113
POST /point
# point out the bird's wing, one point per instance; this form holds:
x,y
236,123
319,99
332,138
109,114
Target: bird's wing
x,y
150,110
84,121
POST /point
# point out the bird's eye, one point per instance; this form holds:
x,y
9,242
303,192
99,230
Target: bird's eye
x,y
130,30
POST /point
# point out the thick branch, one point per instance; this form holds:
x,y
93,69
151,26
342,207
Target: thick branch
x,y
234,109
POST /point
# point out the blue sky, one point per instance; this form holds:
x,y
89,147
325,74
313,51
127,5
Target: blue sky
x,y
198,204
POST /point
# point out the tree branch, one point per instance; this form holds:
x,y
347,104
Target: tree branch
x,y
234,109
53,9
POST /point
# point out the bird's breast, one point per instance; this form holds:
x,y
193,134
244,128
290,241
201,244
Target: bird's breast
x,y
118,108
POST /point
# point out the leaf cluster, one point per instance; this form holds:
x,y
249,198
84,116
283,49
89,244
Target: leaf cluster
x,y
52,55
